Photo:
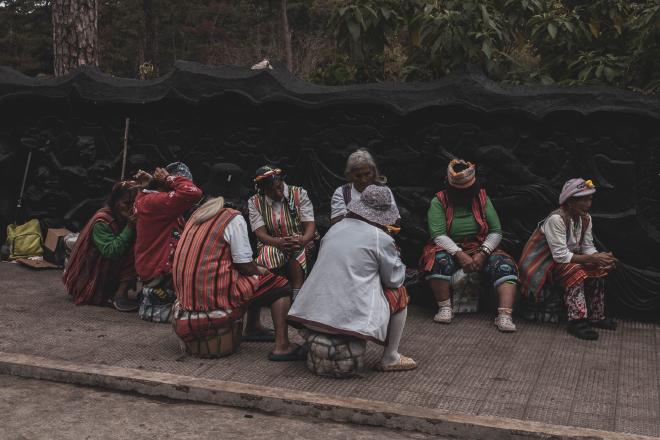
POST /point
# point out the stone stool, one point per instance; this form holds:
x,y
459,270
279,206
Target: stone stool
x,y
336,356
225,342
208,335
549,307
465,290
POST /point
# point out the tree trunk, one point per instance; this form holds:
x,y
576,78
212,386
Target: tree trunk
x,y
150,35
75,34
286,33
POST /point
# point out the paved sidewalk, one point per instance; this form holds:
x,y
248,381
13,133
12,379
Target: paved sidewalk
x,y
539,373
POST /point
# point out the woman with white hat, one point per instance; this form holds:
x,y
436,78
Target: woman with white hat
x,y
562,249
356,286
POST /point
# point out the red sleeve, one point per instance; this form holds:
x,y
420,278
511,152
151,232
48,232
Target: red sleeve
x,y
182,196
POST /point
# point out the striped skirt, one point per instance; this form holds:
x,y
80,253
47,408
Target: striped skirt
x,y
193,325
397,299
538,267
271,257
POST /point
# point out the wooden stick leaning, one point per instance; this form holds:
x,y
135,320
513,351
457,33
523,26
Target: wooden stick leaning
x,y
123,164
19,204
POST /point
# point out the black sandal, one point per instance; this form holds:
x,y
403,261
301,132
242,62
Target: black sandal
x,y
605,324
125,304
297,354
263,335
581,330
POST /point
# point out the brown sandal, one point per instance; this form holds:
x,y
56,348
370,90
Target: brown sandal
x,y
405,363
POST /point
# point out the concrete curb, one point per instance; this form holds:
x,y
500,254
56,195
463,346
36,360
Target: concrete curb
x,y
295,403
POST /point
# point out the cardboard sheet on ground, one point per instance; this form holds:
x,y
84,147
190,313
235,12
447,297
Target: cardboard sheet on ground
x,y
37,263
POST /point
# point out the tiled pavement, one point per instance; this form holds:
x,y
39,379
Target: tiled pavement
x,y
539,373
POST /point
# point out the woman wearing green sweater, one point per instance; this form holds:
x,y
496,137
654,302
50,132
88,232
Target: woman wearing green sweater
x,y
465,234
102,267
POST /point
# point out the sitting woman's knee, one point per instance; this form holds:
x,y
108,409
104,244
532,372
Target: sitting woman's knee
x,y
444,267
500,269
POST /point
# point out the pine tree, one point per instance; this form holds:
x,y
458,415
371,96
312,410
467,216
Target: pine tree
x,y
75,34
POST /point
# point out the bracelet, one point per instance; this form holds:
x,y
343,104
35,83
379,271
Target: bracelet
x,y
485,250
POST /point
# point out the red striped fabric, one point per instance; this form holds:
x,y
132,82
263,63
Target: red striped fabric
x,y
88,273
397,299
194,325
571,274
537,264
204,275
287,225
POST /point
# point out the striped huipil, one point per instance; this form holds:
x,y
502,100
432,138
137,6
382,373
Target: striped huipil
x,y
287,224
537,265
205,278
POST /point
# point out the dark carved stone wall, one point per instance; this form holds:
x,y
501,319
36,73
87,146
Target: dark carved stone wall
x,y
526,142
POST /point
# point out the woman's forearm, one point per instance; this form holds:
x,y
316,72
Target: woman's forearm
x,y
247,269
581,259
310,229
264,237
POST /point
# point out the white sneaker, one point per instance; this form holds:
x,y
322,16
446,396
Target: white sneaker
x,y
444,315
504,323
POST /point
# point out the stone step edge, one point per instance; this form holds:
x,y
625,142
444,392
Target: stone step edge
x,y
295,403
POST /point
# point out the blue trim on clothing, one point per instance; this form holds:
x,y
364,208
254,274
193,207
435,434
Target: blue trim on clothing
x,y
504,279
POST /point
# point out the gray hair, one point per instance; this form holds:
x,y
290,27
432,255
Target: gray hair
x,y
208,210
360,158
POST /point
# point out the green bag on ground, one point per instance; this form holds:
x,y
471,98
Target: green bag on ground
x,y
25,240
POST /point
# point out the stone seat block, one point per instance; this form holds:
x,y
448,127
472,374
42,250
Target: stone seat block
x,y
336,356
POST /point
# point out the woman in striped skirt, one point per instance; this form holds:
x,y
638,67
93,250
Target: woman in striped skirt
x,y
216,280
561,250
282,218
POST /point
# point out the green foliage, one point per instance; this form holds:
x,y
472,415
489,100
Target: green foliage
x,y
645,63
335,71
363,29
591,67
614,42
26,36
240,32
119,36
449,34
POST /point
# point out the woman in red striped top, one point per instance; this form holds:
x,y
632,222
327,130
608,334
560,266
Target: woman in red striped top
x,y
215,281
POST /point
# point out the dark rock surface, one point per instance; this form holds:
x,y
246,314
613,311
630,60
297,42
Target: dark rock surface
x,y
526,141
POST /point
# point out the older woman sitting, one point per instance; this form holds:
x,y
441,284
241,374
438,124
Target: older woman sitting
x,y
215,280
465,234
562,250
102,265
361,171
356,287
282,218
